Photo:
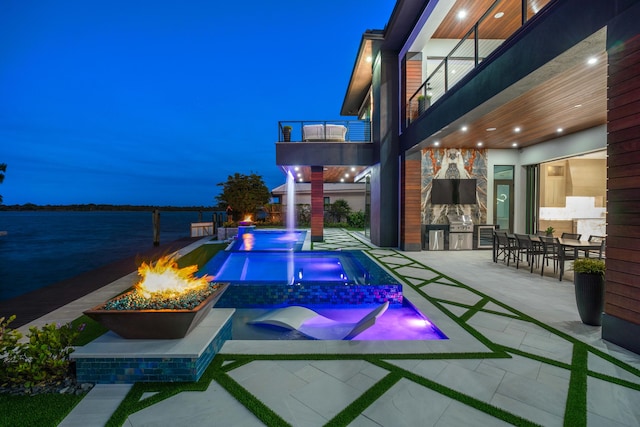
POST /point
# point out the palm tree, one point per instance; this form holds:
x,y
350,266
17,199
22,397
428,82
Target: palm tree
x,y
3,169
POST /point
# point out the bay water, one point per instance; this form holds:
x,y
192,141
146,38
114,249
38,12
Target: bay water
x,y
44,247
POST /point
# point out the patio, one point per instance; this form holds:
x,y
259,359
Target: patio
x,y
524,359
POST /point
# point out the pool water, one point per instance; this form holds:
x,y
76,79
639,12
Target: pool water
x,y
267,270
399,322
279,267
250,239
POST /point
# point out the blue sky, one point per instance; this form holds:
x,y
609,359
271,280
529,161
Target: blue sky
x,y
155,102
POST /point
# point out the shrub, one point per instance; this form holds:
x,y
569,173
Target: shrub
x,y
43,357
356,219
589,266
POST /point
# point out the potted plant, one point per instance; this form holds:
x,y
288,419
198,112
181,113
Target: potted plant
x,y
286,132
549,231
588,281
421,104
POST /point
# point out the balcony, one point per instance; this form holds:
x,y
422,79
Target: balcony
x,y
325,131
492,27
324,143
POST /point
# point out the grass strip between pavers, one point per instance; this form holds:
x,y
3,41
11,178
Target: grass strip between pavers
x,y
575,413
492,410
355,408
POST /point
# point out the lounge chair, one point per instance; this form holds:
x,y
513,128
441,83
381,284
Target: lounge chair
x,y
316,326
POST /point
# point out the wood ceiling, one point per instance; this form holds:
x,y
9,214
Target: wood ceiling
x,y
494,26
331,173
573,99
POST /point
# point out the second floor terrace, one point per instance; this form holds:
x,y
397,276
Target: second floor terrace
x,y
328,143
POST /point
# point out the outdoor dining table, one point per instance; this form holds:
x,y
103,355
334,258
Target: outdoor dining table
x,y
577,245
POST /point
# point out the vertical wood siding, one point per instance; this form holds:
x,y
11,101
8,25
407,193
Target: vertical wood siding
x,y
622,298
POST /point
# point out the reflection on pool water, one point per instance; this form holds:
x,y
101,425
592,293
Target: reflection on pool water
x,y
340,285
279,267
250,239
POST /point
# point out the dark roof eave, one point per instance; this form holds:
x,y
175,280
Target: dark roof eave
x,y
357,90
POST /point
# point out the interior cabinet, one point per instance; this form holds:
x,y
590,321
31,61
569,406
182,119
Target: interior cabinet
x,y
553,190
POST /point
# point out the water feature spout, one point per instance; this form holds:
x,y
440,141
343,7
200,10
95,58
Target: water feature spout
x,y
291,212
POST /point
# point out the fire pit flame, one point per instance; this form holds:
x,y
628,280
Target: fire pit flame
x,y
164,278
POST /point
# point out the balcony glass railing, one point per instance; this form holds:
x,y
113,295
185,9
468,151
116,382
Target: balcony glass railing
x,y
470,51
324,131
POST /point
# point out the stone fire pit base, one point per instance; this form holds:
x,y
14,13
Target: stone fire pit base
x,y
111,359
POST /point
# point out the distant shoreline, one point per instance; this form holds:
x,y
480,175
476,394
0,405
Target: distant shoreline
x,y
103,207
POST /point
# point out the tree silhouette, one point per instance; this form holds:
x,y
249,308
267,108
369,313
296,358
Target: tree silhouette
x,y
244,194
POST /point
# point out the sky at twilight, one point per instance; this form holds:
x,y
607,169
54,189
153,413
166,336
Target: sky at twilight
x,y
155,102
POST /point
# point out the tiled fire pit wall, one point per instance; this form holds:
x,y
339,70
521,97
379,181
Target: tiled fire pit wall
x,y
111,359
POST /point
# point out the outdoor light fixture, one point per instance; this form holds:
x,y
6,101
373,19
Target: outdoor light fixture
x,y
464,128
592,61
429,91
462,14
516,129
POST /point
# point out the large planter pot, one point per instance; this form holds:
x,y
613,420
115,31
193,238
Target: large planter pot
x,y
589,289
155,324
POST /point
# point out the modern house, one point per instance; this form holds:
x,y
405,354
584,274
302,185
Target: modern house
x,y
535,103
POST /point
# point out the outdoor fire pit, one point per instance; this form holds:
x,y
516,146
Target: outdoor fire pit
x,y
168,303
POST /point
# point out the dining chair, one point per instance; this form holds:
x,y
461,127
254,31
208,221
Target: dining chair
x,y
526,247
602,240
550,250
572,236
505,246
569,254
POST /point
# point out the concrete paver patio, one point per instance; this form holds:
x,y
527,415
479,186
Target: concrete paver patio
x,y
514,357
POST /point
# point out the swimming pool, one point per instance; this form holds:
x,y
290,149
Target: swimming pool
x,y
264,278
267,271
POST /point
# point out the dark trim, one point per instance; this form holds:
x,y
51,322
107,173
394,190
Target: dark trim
x,y
324,153
621,332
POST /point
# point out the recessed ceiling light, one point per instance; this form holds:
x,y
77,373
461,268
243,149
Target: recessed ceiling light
x,y
462,14
479,144
346,175
300,180
498,15
437,143
577,106
559,130
490,129
453,71
299,175
296,168
341,179
516,129
353,169
464,128
369,59
515,144
593,60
